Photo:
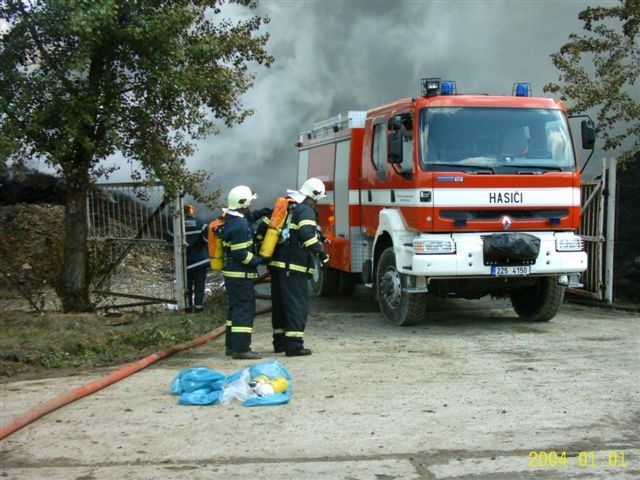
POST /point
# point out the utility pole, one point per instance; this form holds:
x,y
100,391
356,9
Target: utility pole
x,y
611,230
179,248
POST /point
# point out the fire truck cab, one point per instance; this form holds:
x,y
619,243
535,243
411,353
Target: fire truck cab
x,y
450,195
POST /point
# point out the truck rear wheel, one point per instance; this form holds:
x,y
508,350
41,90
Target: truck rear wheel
x,y
540,302
324,282
400,308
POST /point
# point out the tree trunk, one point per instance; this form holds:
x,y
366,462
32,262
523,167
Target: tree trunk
x,y
73,282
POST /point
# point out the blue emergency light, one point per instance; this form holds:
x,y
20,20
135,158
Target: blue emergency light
x,y
447,87
521,90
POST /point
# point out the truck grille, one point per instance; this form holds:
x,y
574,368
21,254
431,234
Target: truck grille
x,y
471,215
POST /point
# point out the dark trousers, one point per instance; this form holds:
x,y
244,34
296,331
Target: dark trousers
x,y
290,308
242,311
196,279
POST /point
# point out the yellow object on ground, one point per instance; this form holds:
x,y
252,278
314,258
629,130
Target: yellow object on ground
x,y
279,384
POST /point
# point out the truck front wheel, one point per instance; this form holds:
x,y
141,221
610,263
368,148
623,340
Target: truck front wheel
x,y
539,302
399,306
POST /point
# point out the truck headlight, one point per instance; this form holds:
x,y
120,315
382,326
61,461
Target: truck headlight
x,y
569,244
423,246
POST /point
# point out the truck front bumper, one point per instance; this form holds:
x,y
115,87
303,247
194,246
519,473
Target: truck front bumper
x,y
468,259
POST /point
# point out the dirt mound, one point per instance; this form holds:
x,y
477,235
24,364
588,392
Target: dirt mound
x,y
32,240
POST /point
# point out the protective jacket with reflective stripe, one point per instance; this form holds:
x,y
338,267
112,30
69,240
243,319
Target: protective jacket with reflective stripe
x,y
195,233
240,257
298,252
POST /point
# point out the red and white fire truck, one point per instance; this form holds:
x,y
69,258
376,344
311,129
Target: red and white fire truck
x,y
450,195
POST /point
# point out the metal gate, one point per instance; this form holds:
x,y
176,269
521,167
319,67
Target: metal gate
x,y
132,258
597,228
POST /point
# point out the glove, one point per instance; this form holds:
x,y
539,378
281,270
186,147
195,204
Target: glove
x,y
265,212
324,258
321,236
264,260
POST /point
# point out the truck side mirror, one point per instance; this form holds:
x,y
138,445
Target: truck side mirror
x,y
407,124
400,122
588,131
394,148
394,124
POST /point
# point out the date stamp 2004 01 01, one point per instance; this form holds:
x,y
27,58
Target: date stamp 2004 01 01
x,y
584,459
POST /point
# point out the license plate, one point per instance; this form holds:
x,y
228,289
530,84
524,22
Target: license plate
x,y
511,271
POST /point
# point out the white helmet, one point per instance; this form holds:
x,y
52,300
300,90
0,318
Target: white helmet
x,y
240,197
313,188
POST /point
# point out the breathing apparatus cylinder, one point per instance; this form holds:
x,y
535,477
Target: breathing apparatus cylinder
x,y
214,239
217,262
278,218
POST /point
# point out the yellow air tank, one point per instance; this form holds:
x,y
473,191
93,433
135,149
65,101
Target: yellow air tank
x,y
214,239
278,217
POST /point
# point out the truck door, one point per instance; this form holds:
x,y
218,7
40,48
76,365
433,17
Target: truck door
x,y
375,185
341,189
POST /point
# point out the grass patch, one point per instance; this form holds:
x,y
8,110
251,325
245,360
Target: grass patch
x,y
34,344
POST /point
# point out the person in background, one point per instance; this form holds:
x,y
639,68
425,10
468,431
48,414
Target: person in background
x,y
240,270
197,259
291,266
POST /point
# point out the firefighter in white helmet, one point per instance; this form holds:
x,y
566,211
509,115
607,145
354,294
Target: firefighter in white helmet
x,y
240,270
292,264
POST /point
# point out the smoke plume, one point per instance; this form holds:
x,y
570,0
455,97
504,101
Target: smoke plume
x,y
334,56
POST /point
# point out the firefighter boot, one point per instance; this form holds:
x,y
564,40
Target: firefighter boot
x,y
300,352
279,343
250,355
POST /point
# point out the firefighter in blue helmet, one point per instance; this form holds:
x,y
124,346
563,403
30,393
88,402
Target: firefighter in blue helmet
x,y
240,270
291,266
197,259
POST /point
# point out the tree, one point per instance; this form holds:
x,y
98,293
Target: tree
x,y
610,49
83,79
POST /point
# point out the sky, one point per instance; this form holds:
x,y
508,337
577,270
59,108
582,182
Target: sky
x,y
334,55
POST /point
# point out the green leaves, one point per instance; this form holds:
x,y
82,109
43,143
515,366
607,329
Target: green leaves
x,y
600,70
83,79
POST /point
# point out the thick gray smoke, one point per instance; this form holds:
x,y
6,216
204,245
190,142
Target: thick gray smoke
x,y
338,55
334,56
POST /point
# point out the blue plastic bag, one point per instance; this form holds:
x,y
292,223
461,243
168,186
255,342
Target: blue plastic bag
x,y
203,396
202,386
271,369
197,378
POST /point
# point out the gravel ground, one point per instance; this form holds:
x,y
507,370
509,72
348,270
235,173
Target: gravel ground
x,y
468,393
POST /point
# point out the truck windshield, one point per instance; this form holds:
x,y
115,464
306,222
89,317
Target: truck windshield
x,y
495,140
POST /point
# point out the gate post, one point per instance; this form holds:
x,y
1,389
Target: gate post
x,y
611,230
177,216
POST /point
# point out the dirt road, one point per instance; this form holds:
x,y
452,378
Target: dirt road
x,y
468,393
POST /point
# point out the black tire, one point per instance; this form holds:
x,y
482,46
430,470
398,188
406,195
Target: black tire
x,y
400,308
346,284
324,282
540,302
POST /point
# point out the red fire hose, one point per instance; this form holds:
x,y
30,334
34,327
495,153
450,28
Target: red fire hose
x,y
92,387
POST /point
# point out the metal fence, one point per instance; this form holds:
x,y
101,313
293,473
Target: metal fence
x,y
132,259
597,228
